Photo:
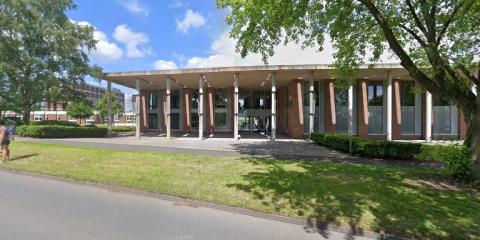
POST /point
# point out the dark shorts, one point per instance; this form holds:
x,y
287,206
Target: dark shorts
x,y
5,142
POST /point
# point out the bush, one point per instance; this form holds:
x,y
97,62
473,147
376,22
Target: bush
x,y
53,122
118,128
458,161
457,157
56,131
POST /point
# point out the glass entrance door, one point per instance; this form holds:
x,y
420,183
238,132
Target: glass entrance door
x,y
254,111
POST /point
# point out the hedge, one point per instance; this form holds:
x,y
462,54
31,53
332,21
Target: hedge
x,y
456,156
53,122
56,131
118,128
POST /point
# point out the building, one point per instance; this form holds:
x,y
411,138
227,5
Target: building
x,y
92,94
57,111
292,100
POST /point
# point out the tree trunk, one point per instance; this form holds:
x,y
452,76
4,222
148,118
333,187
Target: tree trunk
x,y
26,115
472,141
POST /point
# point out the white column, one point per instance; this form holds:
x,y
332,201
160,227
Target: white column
x,y
311,91
428,117
109,106
200,106
137,110
235,106
350,111
273,122
167,108
389,106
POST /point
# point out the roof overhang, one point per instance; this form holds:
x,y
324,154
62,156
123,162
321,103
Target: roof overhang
x,y
250,77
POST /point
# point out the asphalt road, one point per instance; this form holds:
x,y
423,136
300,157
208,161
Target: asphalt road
x,y
40,208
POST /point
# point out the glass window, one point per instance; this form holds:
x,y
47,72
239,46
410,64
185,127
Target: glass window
x,y
174,120
407,101
38,117
443,112
220,119
174,99
375,94
195,99
375,108
341,110
221,99
407,93
152,101
152,121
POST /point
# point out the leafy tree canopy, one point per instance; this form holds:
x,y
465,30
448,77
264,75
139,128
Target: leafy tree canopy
x,y
102,106
436,41
40,47
79,109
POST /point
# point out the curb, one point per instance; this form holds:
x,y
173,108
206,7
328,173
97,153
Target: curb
x,y
309,225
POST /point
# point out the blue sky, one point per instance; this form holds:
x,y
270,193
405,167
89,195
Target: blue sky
x,y
135,35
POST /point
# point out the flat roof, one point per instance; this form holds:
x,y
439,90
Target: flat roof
x,y
250,77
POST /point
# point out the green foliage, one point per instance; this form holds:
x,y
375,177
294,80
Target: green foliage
x,y
455,156
58,131
368,148
102,106
79,109
458,161
118,128
41,48
53,122
437,42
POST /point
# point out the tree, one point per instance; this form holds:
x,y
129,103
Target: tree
x,y
437,42
80,110
40,47
102,106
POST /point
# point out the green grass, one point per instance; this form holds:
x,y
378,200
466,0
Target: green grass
x,y
414,202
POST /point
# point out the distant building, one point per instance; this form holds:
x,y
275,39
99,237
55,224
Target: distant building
x,y
92,93
57,111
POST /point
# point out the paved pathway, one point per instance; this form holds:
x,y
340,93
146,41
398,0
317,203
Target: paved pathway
x,y
284,149
40,208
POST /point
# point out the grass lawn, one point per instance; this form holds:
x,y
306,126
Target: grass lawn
x,y
413,202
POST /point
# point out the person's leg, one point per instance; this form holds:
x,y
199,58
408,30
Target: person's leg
x,y
4,153
8,152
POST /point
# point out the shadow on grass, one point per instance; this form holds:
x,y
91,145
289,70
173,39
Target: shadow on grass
x,y
21,157
384,199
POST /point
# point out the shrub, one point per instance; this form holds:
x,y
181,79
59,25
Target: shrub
x,y
53,122
118,128
458,161
456,156
56,131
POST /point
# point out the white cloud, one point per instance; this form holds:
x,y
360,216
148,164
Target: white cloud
x,y
164,65
192,19
177,4
105,50
134,6
132,41
223,54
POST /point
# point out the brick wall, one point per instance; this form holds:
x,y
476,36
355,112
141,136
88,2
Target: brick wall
x,y
295,109
362,118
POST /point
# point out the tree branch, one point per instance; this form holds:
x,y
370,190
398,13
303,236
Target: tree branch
x,y
414,35
406,61
415,17
467,73
449,20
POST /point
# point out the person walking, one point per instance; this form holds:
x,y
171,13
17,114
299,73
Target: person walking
x,y
4,141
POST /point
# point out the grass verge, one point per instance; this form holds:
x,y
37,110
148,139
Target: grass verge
x,y
414,202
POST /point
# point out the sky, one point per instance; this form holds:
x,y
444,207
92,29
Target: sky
x,y
140,35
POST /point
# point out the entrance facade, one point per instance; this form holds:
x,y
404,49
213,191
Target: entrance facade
x,y
254,111
294,100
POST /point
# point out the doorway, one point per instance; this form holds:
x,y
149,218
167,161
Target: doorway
x,y
254,111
